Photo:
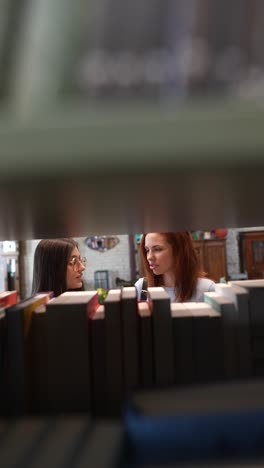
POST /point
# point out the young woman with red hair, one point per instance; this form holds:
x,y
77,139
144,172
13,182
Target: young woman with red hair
x,y
169,260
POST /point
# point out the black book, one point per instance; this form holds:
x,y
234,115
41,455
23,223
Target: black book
x,y
69,368
2,336
114,361
229,315
98,362
18,383
129,323
2,353
256,303
162,336
201,348
240,297
182,343
208,344
258,366
146,367
40,365
255,289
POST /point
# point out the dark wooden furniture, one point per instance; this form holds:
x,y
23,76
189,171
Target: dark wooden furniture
x,y
251,247
212,254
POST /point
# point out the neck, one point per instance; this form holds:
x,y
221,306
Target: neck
x,y
168,280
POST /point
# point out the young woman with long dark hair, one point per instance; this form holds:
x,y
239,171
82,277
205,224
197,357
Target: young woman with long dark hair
x,y
58,266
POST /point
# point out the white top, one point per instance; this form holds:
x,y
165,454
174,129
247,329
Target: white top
x,y
203,285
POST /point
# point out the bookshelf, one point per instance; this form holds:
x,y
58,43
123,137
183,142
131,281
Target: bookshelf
x,y
67,147
71,168
105,166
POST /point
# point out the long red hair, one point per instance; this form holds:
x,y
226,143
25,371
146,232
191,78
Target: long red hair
x,y
187,268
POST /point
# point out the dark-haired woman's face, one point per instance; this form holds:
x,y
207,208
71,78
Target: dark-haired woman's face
x,y
159,254
74,276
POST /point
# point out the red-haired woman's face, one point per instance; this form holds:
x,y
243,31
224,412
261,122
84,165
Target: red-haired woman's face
x,y
159,254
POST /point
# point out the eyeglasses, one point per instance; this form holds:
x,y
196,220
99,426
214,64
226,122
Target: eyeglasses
x,y
75,261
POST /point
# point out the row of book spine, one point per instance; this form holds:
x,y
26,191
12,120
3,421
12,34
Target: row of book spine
x,y
70,354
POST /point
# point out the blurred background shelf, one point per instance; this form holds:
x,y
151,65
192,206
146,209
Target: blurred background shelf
x,y
129,118
197,165
215,133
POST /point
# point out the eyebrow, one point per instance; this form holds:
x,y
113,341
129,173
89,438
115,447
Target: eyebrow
x,y
153,246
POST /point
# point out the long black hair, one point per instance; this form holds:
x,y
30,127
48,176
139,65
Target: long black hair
x,y
50,265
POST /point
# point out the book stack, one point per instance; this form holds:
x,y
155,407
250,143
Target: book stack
x,y
197,342
114,351
70,354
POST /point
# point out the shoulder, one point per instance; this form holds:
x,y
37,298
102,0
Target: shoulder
x,y
205,285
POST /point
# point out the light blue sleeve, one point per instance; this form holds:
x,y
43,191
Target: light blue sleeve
x,y
211,287
203,285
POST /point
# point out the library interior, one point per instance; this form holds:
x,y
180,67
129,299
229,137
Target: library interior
x,y
118,119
